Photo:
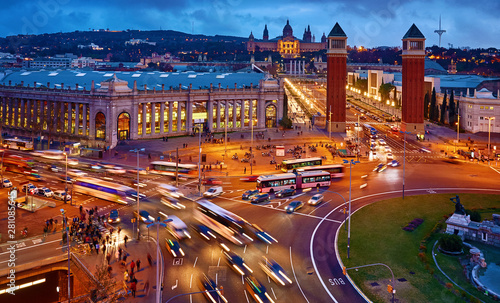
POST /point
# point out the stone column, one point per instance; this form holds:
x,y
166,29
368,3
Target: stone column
x,y
170,116
70,117
189,113
84,119
162,117
22,107
62,117
234,112
179,120
153,118
250,112
28,113
77,120
218,114
144,120
242,112
210,113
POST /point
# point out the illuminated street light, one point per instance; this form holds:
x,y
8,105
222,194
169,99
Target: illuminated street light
x,y
158,222
137,150
489,133
351,163
404,160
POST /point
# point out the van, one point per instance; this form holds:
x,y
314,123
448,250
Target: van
x,y
213,192
177,228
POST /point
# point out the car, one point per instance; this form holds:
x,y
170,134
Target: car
x,y
117,170
380,168
257,290
389,156
28,186
45,192
177,228
54,168
381,142
33,176
204,231
114,216
237,264
387,149
260,198
211,181
64,179
144,216
258,233
76,173
211,290
73,161
61,195
316,199
274,271
6,183
425,150
172,202
294,206
252,178
142,171
213,192
174,248
394,163
285,192
249,194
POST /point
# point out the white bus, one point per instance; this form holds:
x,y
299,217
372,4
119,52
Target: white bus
x,y
168,169
19,144
305,179
224,222
336,170
288,166
105,190
52,154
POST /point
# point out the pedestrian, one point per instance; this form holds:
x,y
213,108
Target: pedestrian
x,y
108,258
110,269
120,253
125,255
245,170
81,209
126,275
97,248
125,239
150,260
133,286
45,231
119,230
138,265
132,266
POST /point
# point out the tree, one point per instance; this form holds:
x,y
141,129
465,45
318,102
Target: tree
x,y
432,109
452,115
451,243
362,84
104,288
474,215
285,121
426,106
443,109
384,90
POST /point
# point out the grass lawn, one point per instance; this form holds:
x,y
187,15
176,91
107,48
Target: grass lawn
x,y
377,237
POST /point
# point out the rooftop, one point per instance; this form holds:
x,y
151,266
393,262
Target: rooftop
x,y
152,80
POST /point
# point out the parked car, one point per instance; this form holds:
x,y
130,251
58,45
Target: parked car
x,y
260,198
31,188
6,183
45,192
114,216
174,248
294,206
285,192
249,194
213,192
61,195
316,199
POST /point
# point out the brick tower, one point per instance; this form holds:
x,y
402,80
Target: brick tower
x,y
412,112
336,79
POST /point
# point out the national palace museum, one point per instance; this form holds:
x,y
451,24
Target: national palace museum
x,y
99,109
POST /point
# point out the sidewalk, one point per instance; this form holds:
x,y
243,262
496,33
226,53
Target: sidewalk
x,y
135,251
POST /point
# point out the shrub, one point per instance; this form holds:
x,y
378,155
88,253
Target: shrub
x,y
286,122
423,257
474,215
451,243
448,285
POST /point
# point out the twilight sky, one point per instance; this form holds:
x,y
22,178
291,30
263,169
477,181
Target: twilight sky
x,y
366,22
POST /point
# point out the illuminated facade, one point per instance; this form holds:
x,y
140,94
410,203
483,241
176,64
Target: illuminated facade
x,y
287,45
99,112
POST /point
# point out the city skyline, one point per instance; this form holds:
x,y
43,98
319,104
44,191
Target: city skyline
x,y
367,23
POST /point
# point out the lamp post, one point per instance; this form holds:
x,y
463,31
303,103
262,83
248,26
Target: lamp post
x,y
66,179
351,163
489,134
458,128
404,159
251,149
65,222
330,124
199,161
158,222
137,150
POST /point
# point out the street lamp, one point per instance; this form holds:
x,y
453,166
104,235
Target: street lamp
x,y
65,222
458,128
251,149
351,163
330,124
137,150
158,222
404,159
199,160
489,134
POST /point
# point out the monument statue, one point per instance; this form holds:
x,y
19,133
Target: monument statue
x,y
459,208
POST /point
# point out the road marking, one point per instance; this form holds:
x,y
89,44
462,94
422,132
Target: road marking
x,y
191,281
430,191
293,270
245,291
245,249
272,289
175,286
195,262
321,205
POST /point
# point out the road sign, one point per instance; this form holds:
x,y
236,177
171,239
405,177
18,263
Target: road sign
x,y
133,220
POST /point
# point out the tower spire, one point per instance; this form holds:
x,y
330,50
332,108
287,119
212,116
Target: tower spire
x,y
440,31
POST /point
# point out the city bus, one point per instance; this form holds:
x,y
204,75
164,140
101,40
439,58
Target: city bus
x,y
168,169
19,144
224,222
336,170
298,180
105,190
288,166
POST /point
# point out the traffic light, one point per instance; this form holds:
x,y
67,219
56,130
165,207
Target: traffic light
x,y
344,270
389,288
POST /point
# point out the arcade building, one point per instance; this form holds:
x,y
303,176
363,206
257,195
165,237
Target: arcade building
x,y
286,45
99,109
